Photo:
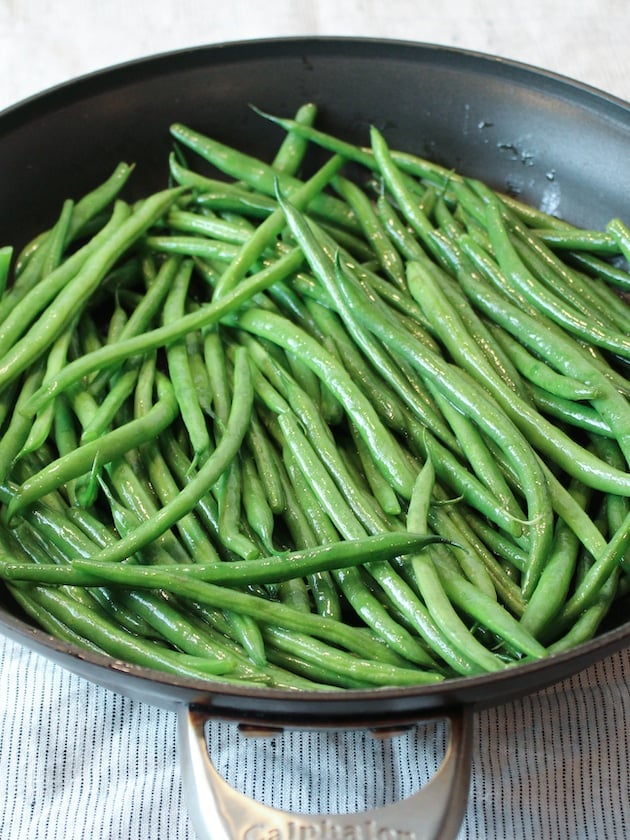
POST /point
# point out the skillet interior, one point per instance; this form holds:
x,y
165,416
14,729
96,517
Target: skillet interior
x,y
552,142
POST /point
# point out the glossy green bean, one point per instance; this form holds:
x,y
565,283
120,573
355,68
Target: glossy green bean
x,y
73,296
109,447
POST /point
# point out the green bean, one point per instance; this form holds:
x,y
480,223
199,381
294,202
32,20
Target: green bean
x,y
500,545
409,163
290,155
553,587
351,363
207,474
398,376
567,357
570,412
488,611
329,680
43,423
373,230
51,527
255,505
122,645
621,234
265,611
465,394
51,623
230,501
305,377
213,622
193,246
589,620
320,436
553,307
242,628
182,470
379,486
616,506
165,486
73,296
15,435
344,664
158,522
474,558
541,373
183,634
108,447
374,387
398,592
603,567
201,318
25,255
213,227
479,456
6,256
117,320
581,293
388,295
258,174
612,275
85,210
261,448
341,515
310,527
32,303
273,225
58,238
430,586
110,406
179,368
281,332
220,195
494,359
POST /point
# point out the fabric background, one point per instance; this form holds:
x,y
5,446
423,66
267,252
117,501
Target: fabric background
x,y
82,763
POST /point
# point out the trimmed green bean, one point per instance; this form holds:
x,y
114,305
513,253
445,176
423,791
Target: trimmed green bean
x,y
108,447
73,296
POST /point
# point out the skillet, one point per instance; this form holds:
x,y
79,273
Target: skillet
x,y
551,141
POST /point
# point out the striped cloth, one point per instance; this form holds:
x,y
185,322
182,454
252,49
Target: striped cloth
x,y
80,762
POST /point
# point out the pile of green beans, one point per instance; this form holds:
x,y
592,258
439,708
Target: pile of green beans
x,y
355,426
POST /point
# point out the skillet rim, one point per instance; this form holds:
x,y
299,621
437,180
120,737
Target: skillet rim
x,y
502,685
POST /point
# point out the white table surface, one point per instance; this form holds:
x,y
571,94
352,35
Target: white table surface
x,y
43,42
78,761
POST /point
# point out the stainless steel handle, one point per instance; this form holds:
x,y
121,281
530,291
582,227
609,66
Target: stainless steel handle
x,y
219,812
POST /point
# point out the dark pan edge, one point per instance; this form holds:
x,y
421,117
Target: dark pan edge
x,y
156,687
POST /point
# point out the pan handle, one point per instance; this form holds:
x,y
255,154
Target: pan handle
x,y
219,812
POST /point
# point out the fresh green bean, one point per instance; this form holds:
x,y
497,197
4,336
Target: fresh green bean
x,y
550,304
32,304
201,318
430,586
281,332
179,368
259,175
415,357
541,373
73,296
108,447
121,389
603,567
85,210
466,394
289,157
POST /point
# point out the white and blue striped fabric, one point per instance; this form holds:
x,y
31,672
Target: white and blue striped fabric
x,y
79,762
